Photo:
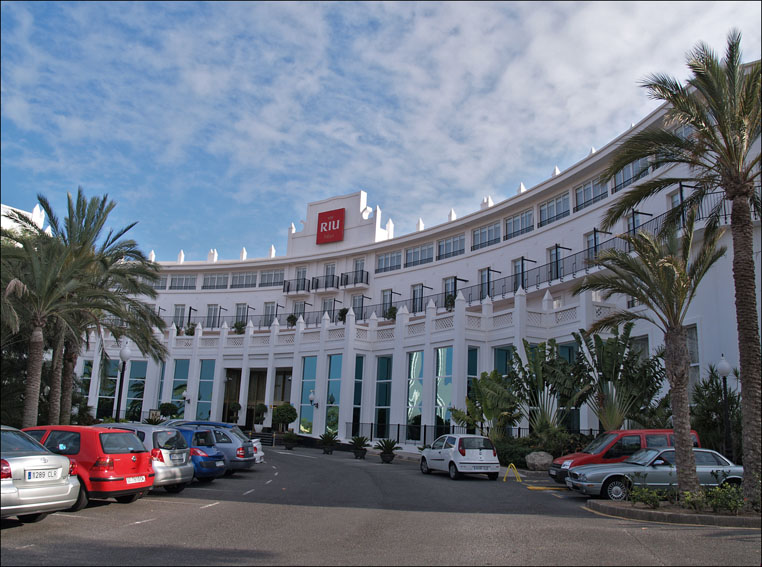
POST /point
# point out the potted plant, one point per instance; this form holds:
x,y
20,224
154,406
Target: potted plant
x,y
290,440
190,330
234,408
328,440
291,320
283,415
259,416
359,444
387,448
391,313
342,316
450,302
239,327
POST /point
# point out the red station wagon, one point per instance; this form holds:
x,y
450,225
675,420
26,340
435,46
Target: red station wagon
x,y
613,447
111,463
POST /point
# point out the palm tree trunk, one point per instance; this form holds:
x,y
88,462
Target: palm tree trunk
x,y
54,398
677,363
67,381
33,375
748,344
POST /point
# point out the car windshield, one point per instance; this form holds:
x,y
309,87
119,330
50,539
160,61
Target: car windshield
x,y
477,443
114,443
642,457
599,443
169,440
18,442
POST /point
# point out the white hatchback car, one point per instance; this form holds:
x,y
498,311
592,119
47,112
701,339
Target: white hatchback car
x,y
459,454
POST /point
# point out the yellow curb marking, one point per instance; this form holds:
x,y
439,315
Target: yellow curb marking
x,y
515,472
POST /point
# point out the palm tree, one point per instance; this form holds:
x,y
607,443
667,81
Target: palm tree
x,y
663,277
721,107
490,406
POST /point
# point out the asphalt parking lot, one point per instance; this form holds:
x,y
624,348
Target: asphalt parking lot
x,y
305,508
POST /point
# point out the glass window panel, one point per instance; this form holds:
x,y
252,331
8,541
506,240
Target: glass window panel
x,y
332,419
334,367
306,418
383,393
334,390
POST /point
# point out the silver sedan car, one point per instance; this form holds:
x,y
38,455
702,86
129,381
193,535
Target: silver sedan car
x,y
35,481
653,468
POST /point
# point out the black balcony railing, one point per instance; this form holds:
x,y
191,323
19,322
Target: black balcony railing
x,y
325,282
485,243
297,285
554,218
355,278
519,232
589,202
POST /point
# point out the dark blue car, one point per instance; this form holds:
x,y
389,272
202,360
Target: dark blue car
x,y
208,461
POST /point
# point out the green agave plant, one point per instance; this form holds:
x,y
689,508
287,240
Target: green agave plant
x,y
387,446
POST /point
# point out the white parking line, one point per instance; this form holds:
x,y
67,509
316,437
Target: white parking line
x,y
295,455
269,481
142,522
78,516
248,492
209,505
275,467
276,474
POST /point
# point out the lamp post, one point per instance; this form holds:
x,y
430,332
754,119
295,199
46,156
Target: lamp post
x,y
313,403
723,369
124,354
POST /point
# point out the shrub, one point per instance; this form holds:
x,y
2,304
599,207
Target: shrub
x,y
284,414
360,442
239,327
696,502
342,316
387,446
514,451
190,330
646,496
328,439
725,498
290,437
291,320
259,413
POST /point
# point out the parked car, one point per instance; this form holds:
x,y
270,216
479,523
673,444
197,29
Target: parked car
x,y
170,454
259,455
238,453
614,447
208,461
33,480
458,454
110,463
654,468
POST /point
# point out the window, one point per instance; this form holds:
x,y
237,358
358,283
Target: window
x,y
473,367
243,279
301,273
107,391
328,307
553,210
416,292
684,131
357,306
519,224
629,174
555,265
161,283
389,261
693,352
359,264
453,246
87,374
503,359
357,397
332,397
640,344
591,246
330,269
627,445
298,309
518,275
271,278
212,315
419,255
215,281
589,193
486,236
443,386
63,442
449,289
632,302
309,375
414,394
269,312
180,384
136,390
205,387
241,312
220,437
386,300
383,395
182,282
485,283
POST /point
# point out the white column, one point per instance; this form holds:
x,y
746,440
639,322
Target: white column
x,y
243,392
399,374
459,354
346,396
428,407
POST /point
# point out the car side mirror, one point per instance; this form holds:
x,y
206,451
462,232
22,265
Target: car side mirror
x,y
659,462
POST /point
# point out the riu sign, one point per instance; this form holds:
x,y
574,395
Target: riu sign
x,y
330,227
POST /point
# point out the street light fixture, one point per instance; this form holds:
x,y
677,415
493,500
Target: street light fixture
x,y
124,354
313,403
723,369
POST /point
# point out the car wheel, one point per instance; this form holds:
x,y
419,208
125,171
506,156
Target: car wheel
x,y
32,518
454,474
175,488
129,499
615,489
229,472
493,475
82,500
205,479
425,466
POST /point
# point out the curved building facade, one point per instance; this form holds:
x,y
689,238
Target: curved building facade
x,y
365,332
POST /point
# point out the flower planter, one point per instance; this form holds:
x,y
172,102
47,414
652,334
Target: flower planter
x,y
360,453
387,457
258,427
289,445
327,450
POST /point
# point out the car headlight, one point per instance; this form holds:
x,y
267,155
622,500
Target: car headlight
x,y
582,476
566,464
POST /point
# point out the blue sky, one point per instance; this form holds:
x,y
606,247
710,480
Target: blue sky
x,y
213,125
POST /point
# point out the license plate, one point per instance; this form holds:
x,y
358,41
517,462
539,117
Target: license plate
x,y
135,479
50,474
551,472
478,468
177,458
220,463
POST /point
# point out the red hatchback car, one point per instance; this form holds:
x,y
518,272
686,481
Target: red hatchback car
x,y
110,463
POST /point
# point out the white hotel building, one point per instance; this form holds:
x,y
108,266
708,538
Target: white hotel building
x,y
510,267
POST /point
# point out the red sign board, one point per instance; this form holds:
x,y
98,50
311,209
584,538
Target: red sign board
x,y
330,227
